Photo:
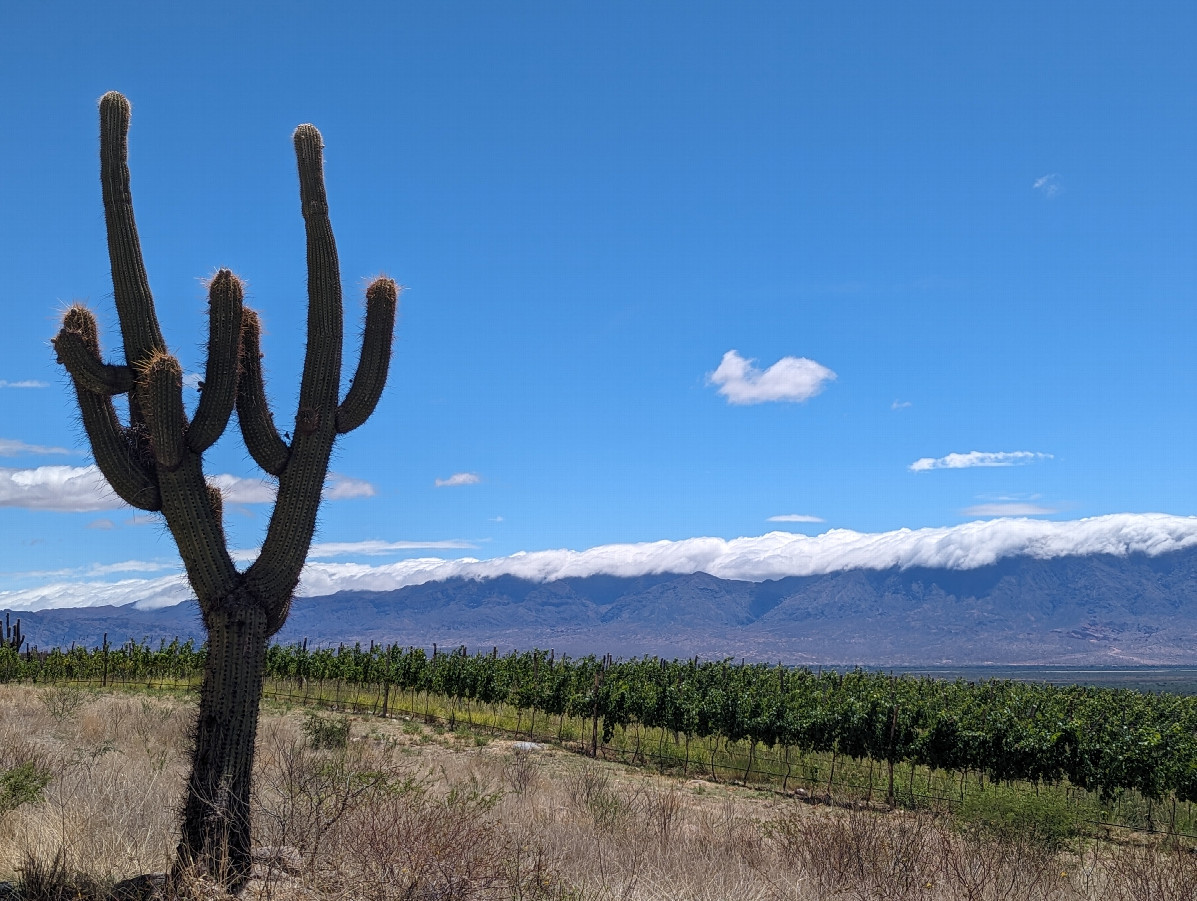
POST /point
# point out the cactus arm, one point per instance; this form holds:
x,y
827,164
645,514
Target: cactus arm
x,y
192,517
322,359
80,356
219,394
133,481
130,479
276,572
134,303
381,299
253,410
160,393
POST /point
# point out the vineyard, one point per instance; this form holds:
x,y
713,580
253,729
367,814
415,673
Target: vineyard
x,y
1126,757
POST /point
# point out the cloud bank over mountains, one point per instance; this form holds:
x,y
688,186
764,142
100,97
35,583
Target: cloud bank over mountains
x,y
770,556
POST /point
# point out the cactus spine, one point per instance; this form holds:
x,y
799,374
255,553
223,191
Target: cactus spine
x,y
154,462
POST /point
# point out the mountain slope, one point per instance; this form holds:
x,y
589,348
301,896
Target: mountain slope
x,y
1087,610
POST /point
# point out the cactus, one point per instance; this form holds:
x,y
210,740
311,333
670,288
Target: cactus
x,y
11,637
154,462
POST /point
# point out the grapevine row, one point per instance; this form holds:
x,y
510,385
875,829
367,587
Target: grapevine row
x,y
1100,739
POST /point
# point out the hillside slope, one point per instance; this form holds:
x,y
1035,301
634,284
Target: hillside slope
x,y
1080,610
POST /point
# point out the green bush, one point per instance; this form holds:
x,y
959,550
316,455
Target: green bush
x,y
23,784
1047,820
325,732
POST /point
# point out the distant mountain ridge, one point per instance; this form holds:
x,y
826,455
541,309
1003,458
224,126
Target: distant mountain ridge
x,y
1097,609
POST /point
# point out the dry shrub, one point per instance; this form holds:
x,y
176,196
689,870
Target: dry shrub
x,y
416,841
591,790
55,880
1164,872
520,772
982,869
302,791
106,810
658,808
62,701
859,854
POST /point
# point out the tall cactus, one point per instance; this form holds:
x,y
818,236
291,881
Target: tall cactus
x,y
11,637
154,462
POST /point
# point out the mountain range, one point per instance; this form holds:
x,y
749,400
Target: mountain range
x,y
1079,610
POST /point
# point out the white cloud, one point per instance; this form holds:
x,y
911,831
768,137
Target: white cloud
x,y
323,549
147,594
25,383
83,489
10,447
977,458
1047,185
67,489
900,405
238,490
459,478
130,566
794,517
1008,509
793,379
101,524
771,556
341,487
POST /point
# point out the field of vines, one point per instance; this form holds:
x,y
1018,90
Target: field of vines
x,y
781,727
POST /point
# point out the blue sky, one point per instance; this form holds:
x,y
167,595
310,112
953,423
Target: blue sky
x,y
672,270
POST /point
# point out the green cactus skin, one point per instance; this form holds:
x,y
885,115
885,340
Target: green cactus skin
x,y
155,463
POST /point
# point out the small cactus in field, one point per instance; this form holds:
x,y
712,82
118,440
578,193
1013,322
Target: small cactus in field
x,y
11,637
154,462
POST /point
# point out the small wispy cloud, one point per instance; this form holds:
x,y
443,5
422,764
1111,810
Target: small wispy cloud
x,y
900,405
11,447
102,524
129,566
1011,509
977,459
795,517
24,383
791,379
83,489
322,550
1048,185
342,487
238,490
96,570
459,478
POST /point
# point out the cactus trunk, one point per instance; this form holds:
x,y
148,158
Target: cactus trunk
x,y
216,818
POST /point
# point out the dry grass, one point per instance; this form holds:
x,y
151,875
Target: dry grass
x,y
406,811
